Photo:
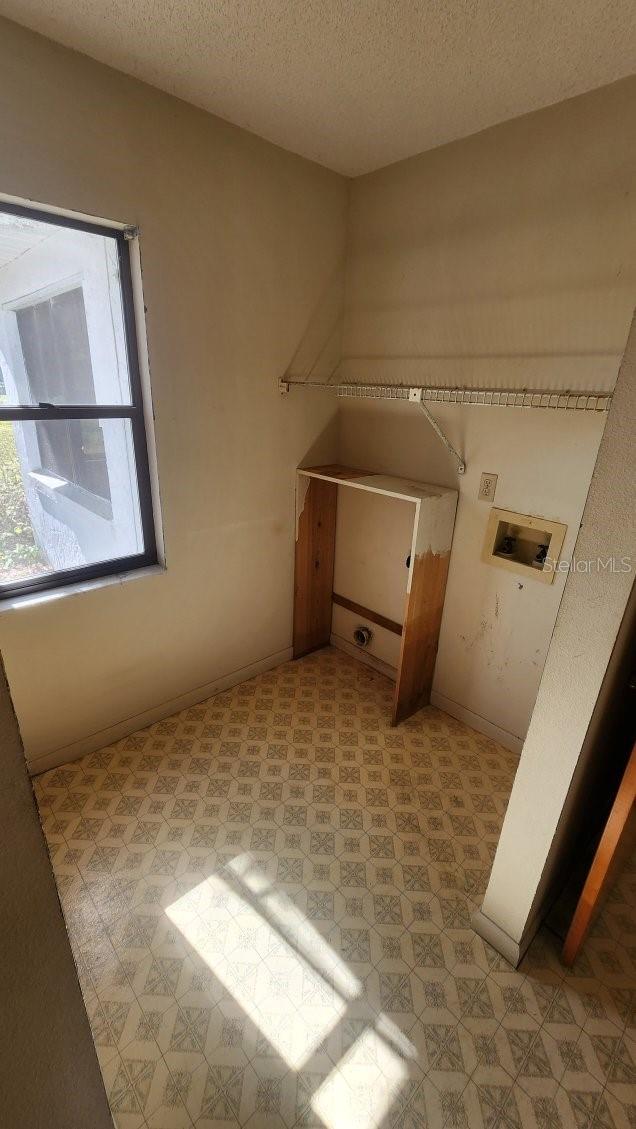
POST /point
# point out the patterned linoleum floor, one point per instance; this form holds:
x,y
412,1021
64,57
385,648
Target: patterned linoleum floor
x,y
269,898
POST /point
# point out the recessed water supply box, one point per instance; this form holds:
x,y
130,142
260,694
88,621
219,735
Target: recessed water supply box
x,y
523,543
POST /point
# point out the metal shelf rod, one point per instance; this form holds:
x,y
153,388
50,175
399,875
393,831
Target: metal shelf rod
x,y
554,399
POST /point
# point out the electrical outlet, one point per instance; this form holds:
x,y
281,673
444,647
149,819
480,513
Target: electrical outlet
x,y
487,487
415,395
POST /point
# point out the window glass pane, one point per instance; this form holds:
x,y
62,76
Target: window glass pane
x,y
62,338
55,349
74,450
68,496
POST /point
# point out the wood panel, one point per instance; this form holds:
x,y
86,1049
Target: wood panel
x,y
315,553
337,470
420,633
387,484
367,613
615,829
434,516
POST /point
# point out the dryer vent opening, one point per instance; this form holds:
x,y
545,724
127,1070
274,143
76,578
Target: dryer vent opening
x,y
362,636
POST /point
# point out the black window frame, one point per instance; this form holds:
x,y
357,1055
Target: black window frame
x,y
134,411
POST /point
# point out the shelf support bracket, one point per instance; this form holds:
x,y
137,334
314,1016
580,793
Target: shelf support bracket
x,y
415,396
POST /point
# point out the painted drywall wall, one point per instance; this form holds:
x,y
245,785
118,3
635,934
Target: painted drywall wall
x,y
239,243
587,627
49,1074
373,540
504,260
496,625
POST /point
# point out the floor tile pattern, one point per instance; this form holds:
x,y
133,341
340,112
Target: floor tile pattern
x,y
269,898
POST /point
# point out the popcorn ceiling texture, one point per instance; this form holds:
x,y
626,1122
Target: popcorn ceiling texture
x,y
352,86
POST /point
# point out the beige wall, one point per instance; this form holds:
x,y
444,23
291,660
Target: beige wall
x,y
503,259
49,1074
240,242
507,259
535,833
496,626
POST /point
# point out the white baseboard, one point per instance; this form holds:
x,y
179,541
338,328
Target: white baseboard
x,y
128,725
481,724
513,951
497,937
363,656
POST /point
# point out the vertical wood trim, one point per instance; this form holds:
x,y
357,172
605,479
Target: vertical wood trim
x,y
605,853
314,564
420,633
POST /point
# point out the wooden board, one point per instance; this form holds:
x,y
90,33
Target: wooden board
x,y
315,553
420,633
433,521
366,613
615,828
391,486
335,470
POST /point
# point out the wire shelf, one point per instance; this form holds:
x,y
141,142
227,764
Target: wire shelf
x,y
556,400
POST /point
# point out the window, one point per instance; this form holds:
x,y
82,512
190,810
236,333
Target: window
x,y
56,352
75,499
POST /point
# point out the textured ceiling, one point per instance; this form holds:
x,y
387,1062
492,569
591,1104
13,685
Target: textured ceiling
x,y
353,85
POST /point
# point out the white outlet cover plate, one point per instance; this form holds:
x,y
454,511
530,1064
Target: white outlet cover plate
x,y
487,487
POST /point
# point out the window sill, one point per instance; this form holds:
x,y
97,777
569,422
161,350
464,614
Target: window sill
x,y
63,592
52,486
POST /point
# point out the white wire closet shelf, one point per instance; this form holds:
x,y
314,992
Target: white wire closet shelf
x,y
555,399
552,399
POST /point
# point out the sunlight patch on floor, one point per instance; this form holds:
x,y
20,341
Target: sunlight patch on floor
x,y
363,1088
294,988
274,963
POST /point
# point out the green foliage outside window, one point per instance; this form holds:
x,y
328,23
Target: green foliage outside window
x,y
17,543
